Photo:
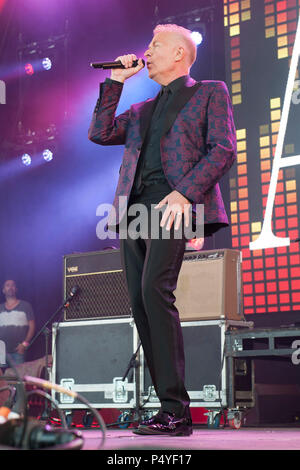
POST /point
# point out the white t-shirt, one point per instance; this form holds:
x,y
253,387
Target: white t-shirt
x,y
14,324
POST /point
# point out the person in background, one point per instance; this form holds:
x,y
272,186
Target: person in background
x,y
17,324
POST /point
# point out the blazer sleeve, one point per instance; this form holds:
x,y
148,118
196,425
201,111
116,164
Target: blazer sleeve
x,y
221,148
105,127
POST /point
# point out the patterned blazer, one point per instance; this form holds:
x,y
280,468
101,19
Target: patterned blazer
x,y
198,144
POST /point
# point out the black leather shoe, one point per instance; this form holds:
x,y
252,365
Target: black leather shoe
x,y
160,416
166,424
152,420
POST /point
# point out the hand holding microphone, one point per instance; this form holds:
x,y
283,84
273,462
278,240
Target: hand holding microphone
x,y
122,68
129,70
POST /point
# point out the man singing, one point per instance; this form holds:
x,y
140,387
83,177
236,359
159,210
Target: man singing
x,y
177,147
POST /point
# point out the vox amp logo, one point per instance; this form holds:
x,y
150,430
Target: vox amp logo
x,y
72,269
2,92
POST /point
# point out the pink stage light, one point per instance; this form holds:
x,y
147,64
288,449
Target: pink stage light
x,y
2,4
29,69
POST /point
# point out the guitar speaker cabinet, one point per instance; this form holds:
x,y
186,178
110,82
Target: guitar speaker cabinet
x,y
102,286
209,286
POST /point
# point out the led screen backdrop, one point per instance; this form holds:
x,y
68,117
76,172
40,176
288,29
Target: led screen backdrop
x,y
259,39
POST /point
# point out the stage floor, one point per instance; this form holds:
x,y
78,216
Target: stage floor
x,y
271,438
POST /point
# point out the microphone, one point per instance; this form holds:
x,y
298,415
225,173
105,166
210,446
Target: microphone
x,y
74,291
117,64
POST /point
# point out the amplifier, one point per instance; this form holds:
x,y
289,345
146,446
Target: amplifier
x,y
209,286
103,289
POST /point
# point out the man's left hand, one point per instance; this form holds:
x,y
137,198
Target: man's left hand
x,y
177,206
20,349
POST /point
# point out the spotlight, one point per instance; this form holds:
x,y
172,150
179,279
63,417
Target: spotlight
x,y
29,69
47,155
26,159
197,37
46,63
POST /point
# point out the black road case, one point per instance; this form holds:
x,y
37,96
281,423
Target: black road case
x,y
91,358
210,383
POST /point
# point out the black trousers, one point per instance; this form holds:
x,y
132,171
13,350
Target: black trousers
x,y
152,267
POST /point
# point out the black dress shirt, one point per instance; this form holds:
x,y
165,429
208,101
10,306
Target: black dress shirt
x,y
149,169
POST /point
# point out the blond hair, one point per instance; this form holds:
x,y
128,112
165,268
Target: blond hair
x,y
185,35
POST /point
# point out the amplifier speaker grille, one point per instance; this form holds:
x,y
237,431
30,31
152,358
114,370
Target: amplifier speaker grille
x,y
102,286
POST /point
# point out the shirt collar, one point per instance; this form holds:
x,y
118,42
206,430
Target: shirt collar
x,y
176,84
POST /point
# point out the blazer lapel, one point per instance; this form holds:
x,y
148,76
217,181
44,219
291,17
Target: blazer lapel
x,y
177,104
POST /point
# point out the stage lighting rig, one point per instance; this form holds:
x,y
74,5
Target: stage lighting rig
x,y
206,22
47,63
194,20
29,69
43,82
40,55
197,37
47,155
37,145
26,159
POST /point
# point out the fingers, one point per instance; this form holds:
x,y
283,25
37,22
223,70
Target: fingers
x,y
162,203
141,63
177,217
178,220
122,74
128,59
187,209
173,213
166,215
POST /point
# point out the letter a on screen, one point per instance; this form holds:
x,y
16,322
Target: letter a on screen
x,y
267,239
